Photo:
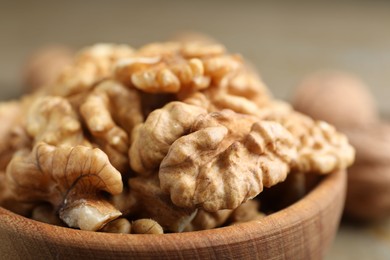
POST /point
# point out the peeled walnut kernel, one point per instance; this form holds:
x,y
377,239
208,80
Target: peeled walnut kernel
x,y
226,160
56,175
146,226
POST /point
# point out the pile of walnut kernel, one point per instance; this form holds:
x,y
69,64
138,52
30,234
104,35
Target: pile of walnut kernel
x,y
171,137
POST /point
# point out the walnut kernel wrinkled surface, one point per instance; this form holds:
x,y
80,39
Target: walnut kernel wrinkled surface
x,y
226,160
174,136
55,175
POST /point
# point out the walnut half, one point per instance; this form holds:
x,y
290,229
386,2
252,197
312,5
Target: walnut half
x,y
72,179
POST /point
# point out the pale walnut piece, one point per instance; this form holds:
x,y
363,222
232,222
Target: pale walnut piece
x,y
146,226
152,139
177,66
44,66
110,112
89,66
52,120
69,178
225,160
118,226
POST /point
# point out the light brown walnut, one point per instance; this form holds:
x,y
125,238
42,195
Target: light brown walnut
x,y
152,139
146,200
118,226
44,65
247,211
174,67
336,97
321,148
146,226
225,160
52,120
69,178
208,220
90,65
12,133
46,213
110,112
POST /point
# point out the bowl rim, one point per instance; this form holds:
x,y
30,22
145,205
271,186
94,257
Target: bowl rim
x,y
292,215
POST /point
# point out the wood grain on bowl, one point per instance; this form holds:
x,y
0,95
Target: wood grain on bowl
x,y
302,231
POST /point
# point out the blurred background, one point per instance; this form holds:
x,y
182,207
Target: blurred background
x,y
285,40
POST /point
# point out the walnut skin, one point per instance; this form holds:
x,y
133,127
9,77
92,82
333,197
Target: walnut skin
x,y
45,65
146,226
177,67
152,202
107,105
53,120
89,66
225,161
321,149
118,226
12,133
177,136
208,220
56,175
322,95
152,139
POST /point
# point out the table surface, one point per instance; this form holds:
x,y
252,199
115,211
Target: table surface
x,y
284,40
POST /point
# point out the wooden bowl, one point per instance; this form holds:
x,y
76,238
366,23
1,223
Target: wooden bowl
x,y
304,230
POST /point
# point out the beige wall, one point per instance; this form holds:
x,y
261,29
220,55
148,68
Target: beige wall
x,y
285,40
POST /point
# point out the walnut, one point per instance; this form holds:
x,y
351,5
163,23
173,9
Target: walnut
x,y
106,105
247,211
146,226
52,120
12,134
226,160
147,200
332,95
55,175
208,220
119,226
152,139
173,67
46,213
321,148
89,66
45,65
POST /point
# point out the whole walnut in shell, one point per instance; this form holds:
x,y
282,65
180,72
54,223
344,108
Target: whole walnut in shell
x,y
345,101
337,98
